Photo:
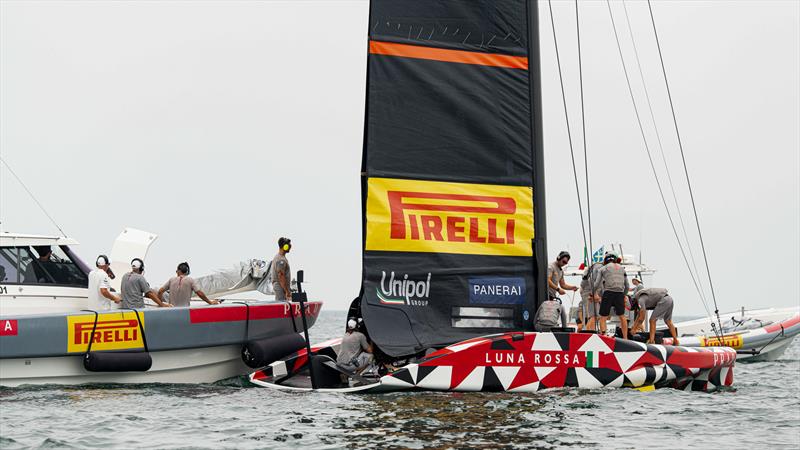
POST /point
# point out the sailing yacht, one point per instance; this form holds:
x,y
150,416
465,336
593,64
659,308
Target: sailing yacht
x,y
454,243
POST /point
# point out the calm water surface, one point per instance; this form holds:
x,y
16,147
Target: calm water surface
x,y
763,411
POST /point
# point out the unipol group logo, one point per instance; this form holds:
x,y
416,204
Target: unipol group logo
x,y
397,290
114,331
463,218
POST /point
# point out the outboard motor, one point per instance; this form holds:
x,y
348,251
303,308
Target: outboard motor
x,y
110,361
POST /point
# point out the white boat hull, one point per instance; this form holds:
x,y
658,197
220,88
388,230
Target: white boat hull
x,y
198,365
757,343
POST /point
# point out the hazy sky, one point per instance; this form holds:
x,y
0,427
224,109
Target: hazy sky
x,y
221,126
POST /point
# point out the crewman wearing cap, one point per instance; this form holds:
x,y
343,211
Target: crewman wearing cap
x,y
280,272
134,286
555,277
637,286
355,352
100,295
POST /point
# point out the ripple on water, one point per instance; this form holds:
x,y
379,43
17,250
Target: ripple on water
x,y
762,411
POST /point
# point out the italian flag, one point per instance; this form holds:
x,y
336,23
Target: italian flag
x,y
592,360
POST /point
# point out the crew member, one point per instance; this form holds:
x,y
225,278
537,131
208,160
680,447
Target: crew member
x,y
281,273
637,286
659,300
100,295
555,276
181,287
355,353
134,285
590,307
630,303
36,272
612,282
548,315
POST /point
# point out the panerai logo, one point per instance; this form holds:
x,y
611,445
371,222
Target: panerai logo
x,y
497,290
396,290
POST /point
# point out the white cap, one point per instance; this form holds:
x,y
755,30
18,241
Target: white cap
x,y
351,324
136,264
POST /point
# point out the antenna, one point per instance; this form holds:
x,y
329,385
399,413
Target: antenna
x,y
32,196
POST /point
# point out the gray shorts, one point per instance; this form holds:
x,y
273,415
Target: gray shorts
x,y
591,309
663,309
362,360
280,296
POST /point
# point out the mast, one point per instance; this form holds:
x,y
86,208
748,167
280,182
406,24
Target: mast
x,y
450,171
537,151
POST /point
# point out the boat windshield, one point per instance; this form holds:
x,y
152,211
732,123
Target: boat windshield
x,y
41,265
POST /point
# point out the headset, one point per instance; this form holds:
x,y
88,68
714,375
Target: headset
x,y
137,263
285,244
563,255
184,267
102,260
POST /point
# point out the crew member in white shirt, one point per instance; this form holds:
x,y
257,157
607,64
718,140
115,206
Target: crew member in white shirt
x,y
100,295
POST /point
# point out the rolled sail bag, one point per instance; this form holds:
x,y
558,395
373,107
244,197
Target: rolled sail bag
x,y
263,352
117,361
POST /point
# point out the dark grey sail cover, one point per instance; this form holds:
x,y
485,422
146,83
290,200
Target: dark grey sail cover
x,y
447,188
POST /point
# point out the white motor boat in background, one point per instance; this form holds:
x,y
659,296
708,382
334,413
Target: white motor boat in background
x,y
757,334
47,334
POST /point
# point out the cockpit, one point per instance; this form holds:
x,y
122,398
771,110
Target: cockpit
x,y
42,265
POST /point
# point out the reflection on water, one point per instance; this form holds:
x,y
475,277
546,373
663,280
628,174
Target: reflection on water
x,y
762,412
475,420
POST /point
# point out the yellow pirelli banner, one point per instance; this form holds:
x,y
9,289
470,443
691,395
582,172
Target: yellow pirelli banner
x,y
114,331
732,341
443,217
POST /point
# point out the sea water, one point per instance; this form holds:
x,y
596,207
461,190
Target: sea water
x,y
762,410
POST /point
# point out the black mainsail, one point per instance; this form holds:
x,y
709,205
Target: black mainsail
x,y
452,174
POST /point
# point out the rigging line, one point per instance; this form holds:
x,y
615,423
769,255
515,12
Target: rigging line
x,y
649,155
583,125
566,117
661,149
685,169
32,196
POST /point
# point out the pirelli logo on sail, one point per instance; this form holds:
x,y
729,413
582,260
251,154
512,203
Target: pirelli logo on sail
x,y
442,217
114,331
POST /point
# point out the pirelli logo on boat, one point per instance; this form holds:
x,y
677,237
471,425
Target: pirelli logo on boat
x,y
442,217
115,331
727,341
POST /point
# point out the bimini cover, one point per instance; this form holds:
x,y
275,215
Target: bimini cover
x,y
447,172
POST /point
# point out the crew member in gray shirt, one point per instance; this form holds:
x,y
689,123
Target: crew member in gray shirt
x,y
281,273
611,287
555,276
637,286
659,300
135,286
181,287
355,353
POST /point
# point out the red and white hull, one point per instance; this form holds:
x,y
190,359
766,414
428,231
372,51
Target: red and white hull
x,y
530,362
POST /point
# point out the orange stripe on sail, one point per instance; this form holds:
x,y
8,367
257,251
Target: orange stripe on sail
x,y
454,56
